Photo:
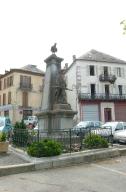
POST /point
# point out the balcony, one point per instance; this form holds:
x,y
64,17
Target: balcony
x,y
101,96
109,78
26,87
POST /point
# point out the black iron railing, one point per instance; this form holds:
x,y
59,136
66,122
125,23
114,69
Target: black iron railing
x,y
110,78
101,96
72,140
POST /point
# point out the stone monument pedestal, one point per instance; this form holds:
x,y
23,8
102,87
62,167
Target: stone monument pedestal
x,y
57,119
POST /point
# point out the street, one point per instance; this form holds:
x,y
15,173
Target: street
x,y
104,176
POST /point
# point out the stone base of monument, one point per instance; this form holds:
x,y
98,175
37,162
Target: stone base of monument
x,y
59,118
61,107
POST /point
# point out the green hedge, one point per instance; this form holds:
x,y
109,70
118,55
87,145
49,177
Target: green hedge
x,y
93,141
44,148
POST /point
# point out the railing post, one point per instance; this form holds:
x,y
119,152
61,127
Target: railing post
x,y
38,136
70,140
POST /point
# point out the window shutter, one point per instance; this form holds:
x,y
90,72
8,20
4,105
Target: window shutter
x,y
115,71
124,89
101,69
109,70
97,88
96,70
88,70
123,72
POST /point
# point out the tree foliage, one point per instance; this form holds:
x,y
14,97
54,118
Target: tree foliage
x,y
123,23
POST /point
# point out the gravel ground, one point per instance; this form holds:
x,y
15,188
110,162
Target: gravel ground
x,y
10,159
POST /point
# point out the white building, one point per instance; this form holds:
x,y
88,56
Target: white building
x,y
98,82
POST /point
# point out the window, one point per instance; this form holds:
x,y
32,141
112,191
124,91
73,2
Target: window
x,y
9,81
0,85
106,90
92,86
119,126
118,71
25,99
25,81
106,71
92,72
124,125
4,99
120,89
27,113
6,113
9,97
5,83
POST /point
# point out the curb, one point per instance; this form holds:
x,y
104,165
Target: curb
x,y
59,161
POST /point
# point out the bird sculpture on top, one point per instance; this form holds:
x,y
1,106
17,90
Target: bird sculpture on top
x,y
53,48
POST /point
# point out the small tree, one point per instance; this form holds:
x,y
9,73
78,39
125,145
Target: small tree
x,y
20,125
123,23
20,134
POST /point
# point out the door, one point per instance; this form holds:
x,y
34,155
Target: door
x,y
107,114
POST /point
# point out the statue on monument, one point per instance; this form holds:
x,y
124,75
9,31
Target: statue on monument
x,y
53,48
60,89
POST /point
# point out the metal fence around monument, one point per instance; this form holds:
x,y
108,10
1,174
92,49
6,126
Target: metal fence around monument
x,y
71,140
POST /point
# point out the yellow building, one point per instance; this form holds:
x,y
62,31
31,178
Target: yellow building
x,y
21,92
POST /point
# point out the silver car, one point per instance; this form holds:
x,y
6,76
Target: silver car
x,y
120,136
85,126
109,128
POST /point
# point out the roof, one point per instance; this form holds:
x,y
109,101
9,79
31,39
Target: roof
x,y
29,69
32,68
98,56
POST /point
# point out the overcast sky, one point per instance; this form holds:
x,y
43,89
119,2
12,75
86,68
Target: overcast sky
x,y
28,29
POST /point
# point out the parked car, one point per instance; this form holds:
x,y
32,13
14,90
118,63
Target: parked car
x,y
5,124
109,128
120,136
85,126
31,120
36,127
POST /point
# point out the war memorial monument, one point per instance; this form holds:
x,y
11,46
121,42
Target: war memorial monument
x,y
56,113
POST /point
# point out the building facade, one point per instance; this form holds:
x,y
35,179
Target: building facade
x,y
21,92
98,82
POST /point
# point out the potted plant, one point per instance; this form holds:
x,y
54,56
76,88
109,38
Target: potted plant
x,y
3,143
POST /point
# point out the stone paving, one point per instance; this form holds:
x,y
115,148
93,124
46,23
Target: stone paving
x,y
10,158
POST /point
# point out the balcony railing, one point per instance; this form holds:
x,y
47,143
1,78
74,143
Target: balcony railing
x,y
110,78
100,96
25,86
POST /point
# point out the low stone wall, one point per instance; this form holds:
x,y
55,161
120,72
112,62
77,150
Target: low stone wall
x,y
62,160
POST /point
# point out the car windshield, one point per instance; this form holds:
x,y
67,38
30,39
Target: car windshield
x,y
30,118
83,123
2,122
109,125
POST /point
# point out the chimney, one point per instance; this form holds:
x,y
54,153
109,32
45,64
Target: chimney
x,y
6,71
66,66
74,57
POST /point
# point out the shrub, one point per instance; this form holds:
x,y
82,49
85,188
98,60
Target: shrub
x,y
93,141
2,136
44,148
20,134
